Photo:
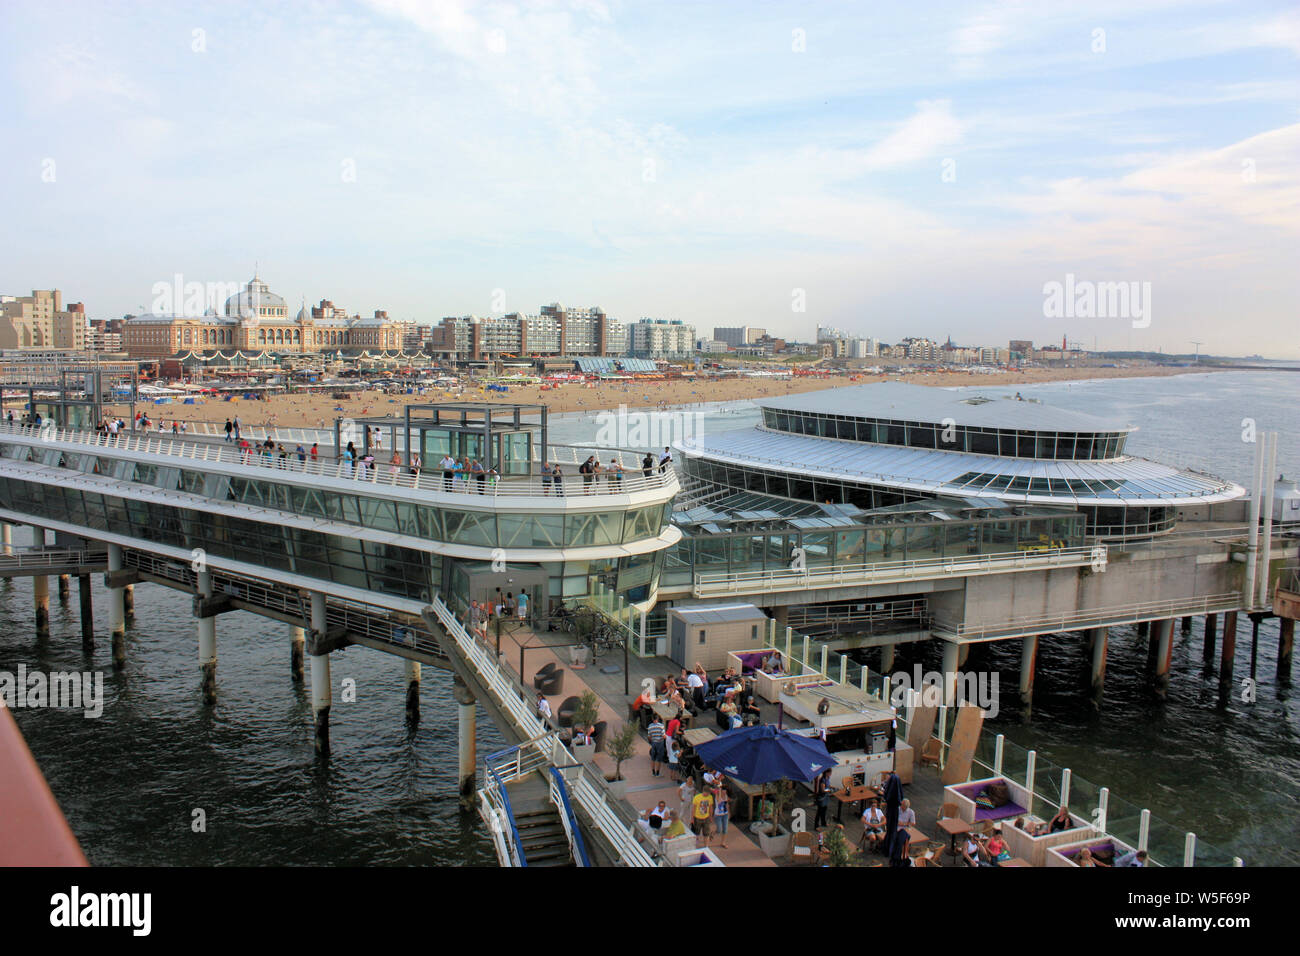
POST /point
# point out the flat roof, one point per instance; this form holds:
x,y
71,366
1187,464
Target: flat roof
x,y
720,614
900,401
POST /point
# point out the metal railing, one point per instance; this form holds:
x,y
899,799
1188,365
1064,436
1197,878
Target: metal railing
x,y
22,559
429,478
559,791
1093,617
592,795
882,572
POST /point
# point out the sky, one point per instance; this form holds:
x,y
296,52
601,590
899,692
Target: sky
x,y
887,169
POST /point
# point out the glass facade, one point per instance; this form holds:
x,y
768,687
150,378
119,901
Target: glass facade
x,y
794,485
365,565
1005,443
739,551
486,529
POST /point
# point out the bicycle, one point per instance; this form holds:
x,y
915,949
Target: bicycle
x,y
603,640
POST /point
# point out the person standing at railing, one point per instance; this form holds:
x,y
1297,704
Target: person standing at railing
x,y
546,477
586,469
416,464
557,476
480,474
615,474
647,465
230,427
665,460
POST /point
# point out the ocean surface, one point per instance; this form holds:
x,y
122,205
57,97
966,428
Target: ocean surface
x,y
130,782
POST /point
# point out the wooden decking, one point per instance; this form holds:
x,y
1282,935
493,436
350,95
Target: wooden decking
x,y
644,790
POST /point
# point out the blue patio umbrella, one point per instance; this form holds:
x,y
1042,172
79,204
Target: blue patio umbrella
x,y
764,753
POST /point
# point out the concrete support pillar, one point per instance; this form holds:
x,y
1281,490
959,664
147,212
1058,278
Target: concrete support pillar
x,y
41,595
950,654
87,612
413,691
962,655
297,638
1285,640
1100,641
1211,634
465,733
321,698
320,677
65,588
1226,658
207,627
1187,624
781,615
1163,632
128,603
1028,660
41,589
1144,628
7,538
116,607
886,658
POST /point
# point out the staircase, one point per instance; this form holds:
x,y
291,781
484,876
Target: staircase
x,y
542,837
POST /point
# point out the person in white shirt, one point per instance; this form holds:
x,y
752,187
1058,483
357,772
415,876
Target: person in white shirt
x,y
695,684
448,466
906,815
543,706
873,827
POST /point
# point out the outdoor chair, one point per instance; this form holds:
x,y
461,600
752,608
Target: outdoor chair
x,y
803,846
549,680
564,714
948,811
931,752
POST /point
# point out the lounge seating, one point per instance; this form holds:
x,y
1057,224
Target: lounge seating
x,y
971,809
803,847
564,715
549,680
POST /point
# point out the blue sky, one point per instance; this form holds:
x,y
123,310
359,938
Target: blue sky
x,y
671,160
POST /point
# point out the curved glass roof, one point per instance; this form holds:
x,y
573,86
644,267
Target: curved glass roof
x,y
1122,481
899,401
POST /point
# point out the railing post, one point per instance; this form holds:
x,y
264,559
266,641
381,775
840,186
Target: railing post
x,y
825,651
998,743
1065,786
1031,764
1189,849
844,669
789,637
1144,829
1103,808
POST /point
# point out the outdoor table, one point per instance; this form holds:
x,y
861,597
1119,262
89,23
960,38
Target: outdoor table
x,y
954,828
750,790
1015,861
915,835
698,735
668,711
856,795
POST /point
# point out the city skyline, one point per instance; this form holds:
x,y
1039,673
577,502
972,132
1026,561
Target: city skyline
x,y
897,175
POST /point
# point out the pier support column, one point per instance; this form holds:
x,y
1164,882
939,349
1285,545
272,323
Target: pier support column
x,y
1144,628
1100,641
886,658
41,589
962,654
1285,640
41,596
128,603
87,612
1211,633
1028,660
781,615
116,612
65,588
320,676
207,643
1229,653
6,537
465,732
1187,624
1163,633
413,691
297,638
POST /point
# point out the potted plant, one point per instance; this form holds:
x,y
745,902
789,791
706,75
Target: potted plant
x,y
838,851
585,715
621,747
775,838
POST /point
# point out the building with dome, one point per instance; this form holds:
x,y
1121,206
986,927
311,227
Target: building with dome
x,y
256,319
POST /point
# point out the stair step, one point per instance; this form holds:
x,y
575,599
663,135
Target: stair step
x,y
554,853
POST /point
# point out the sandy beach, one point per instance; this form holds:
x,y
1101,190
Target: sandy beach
x,y
316,409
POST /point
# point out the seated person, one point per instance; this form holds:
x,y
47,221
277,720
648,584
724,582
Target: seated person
x,y
1061,821
1133,858
997,847
969,852
729,712
675,827
1085,858
873,827
906,815
749,712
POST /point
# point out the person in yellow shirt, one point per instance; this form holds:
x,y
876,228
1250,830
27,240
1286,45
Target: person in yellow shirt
x,y
702,817
675,826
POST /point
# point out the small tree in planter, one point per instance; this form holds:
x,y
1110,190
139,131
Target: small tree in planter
x,y
621,747
585,715
775,839
838,851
